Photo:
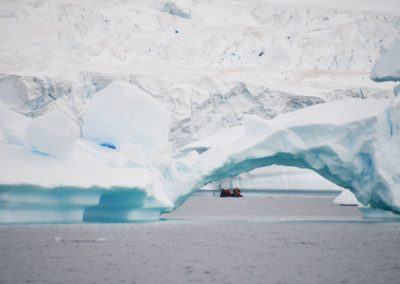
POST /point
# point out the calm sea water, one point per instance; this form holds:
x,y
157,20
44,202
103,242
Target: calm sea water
x,y
211,240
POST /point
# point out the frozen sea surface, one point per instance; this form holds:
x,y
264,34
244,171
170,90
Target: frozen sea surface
x,y
211,240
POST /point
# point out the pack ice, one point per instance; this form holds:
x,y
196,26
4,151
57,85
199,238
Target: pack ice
x,y
353,143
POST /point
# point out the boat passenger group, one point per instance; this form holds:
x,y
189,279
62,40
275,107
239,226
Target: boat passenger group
x,y
228,193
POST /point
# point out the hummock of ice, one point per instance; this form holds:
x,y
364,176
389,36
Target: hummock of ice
x,y
122,113
53,134
353,143
387,67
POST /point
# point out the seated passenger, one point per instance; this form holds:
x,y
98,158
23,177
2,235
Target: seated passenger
x,y
236,192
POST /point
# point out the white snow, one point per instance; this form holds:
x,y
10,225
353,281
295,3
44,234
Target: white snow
x,y
53,133
122,113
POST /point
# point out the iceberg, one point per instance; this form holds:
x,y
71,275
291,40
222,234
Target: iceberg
x,y
51,175
353,143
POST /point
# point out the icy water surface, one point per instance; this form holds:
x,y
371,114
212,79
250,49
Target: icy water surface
x,y
211,240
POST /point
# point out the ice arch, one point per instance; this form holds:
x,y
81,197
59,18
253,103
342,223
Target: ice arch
x,y
353,143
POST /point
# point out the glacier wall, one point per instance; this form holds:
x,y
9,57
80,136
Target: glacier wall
x,y
269,57
217,33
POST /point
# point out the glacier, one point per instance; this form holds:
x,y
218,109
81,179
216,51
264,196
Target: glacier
x,y
73,49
